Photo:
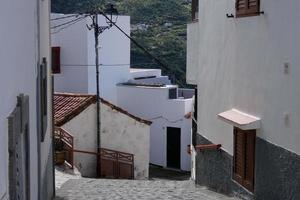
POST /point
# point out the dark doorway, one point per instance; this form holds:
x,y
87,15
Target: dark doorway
x,y
173,147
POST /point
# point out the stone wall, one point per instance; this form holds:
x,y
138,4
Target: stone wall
x,y
277,172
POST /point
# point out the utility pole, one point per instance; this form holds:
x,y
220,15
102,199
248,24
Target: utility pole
x,y
97,31
96,34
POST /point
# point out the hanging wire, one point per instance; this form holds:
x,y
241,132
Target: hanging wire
x,y
92,65
68,25
155,59
64,17
166,119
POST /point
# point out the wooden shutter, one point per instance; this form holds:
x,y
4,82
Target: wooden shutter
x,y
249,160
244,157
55,60
239,153
246,8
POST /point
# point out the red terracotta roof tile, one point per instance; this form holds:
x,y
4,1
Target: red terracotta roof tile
x,y
112,106
69,105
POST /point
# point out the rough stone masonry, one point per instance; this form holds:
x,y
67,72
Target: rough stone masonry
x,y
102,189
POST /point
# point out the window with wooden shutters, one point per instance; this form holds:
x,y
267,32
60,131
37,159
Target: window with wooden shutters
x,y
195,9
245,8
55,60
244,157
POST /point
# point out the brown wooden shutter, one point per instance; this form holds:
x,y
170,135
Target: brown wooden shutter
x,y
239,153
246,8
249,160
244,157
55,60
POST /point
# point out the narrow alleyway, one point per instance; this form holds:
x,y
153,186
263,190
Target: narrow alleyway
x,y
100,189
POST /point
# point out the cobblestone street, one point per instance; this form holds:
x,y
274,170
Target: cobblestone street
x,y
100,189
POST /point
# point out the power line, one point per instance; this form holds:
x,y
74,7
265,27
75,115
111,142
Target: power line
x,y
159,62
140,46
66,23
69,16
92,65
166,119
135,42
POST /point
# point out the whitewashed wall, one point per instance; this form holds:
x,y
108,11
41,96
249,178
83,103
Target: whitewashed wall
x,y
23,43
127,135
83,128
74,50
77,44
118,132
153,104
242,66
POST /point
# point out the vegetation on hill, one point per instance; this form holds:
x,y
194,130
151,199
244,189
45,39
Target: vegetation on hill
x,y
158,25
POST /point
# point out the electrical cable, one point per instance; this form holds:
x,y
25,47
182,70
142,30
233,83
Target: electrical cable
x,y
136,43
159,62
162,117
64,17
92,65
66,23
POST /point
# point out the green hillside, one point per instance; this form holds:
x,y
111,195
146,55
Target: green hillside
x,y
158,25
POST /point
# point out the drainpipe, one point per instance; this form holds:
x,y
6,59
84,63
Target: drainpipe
x,y
96,34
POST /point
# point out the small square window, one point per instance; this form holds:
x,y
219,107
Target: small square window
x,y
245,8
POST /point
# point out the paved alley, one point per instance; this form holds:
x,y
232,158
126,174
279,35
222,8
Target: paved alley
x,y
100,189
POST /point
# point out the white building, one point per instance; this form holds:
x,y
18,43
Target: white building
x,y
166,114
120,131
26,167
244,59
77,54
151,96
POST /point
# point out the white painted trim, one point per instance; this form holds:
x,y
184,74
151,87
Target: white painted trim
x,y
239,119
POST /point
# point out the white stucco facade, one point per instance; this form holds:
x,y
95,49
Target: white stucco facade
x,y
115,59
119,132
153,104
78,73
249,64
24,42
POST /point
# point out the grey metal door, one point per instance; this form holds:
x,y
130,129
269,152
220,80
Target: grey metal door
x,y
18,130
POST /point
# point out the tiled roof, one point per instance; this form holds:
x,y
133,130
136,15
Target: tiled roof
x,y
69,105
112,106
